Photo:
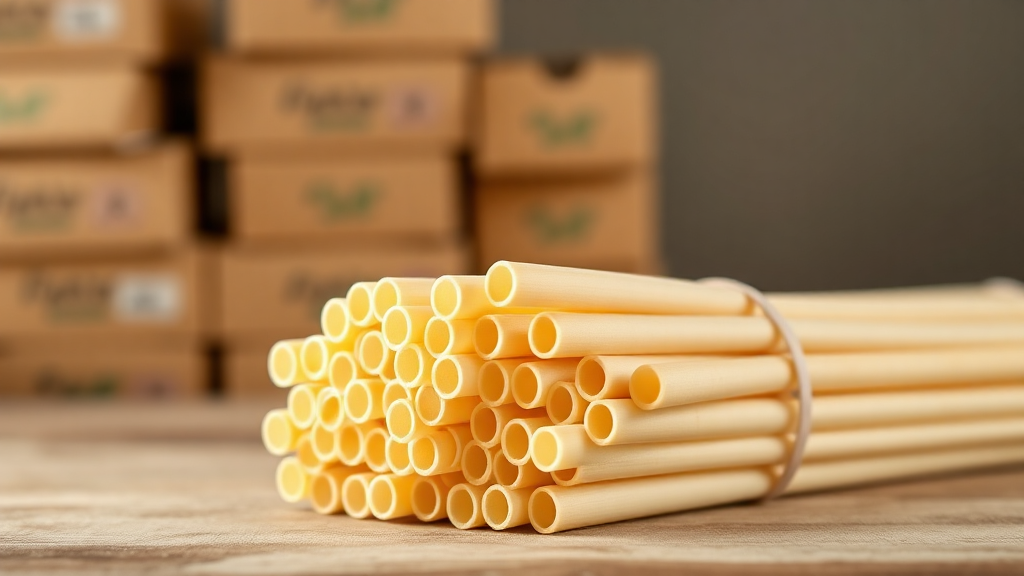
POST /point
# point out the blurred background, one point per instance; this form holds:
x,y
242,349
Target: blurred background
x,y
184,182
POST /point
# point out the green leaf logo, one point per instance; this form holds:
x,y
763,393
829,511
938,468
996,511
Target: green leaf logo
x,y
549,229
25,109
556,132
336,205
364,11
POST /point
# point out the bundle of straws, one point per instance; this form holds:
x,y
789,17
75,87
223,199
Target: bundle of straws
x,y
564,397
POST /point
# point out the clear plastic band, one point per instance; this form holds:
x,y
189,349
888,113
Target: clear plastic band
x,y
803,392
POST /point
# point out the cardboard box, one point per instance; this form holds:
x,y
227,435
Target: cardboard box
x,y
339,105
126,31
245,375
597,113
101,204
359,26
152,299
272,295
76,107
606,223
412,198
142,374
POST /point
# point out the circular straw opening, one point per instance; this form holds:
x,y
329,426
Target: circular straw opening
x,y
590,377
306,454
446,376
292,480
543,335
322,493
500,284
544,449
374,454
426,500
382,496
314,355
645,386
350,445
599,422
437,336
360,305
461,506
341,370
353,496
483,422
373,352
400,421
486,337
476,463
331,414
505,472
398,456
385,297
561,404
322,443
543,511
515,441
334,320
428,404
396,327
497,510
525,387
445,297
278,432
357,401
302,405
491,383
564,476
424,453
408,365
282,364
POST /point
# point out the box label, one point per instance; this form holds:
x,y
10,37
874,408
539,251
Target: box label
x,y
330,108
361,11
23,21
147,298
86,20
554,131
312,292
23,109
81,298
548,228
50,208
336,205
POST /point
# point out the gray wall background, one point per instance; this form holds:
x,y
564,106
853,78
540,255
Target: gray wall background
x,y
813,144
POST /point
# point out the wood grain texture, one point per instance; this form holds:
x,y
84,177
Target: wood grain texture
x,y
176,494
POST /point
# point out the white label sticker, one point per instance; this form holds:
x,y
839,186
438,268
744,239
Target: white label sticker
x,y
86,19
147,298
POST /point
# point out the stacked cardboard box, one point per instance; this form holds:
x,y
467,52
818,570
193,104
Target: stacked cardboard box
x,y
341,123
103,289
565,155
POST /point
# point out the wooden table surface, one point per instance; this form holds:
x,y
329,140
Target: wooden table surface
x,y
129,489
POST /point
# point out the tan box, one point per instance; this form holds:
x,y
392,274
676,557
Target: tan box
x,y
597,113
76,107
272,295
130,31
141,374
359,26
103,204
295,107
606,223
161,298
245,375
411,198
